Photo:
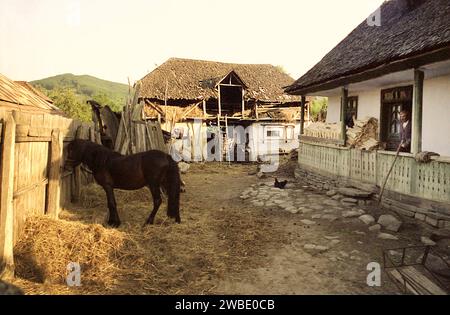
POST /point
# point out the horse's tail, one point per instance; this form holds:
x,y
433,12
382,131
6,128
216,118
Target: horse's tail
x,y
172,183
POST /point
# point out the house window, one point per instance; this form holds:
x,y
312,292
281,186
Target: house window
x,y
273,133
352,106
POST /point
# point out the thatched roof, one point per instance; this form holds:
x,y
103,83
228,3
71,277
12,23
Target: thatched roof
x,y
189,79
408,28
21,95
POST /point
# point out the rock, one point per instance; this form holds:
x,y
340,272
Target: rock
x,y
322,248
331,193
360,233
334,242
353,192
337,197
386,236
375,228
351,214
330,238
307,222
254,172
331,203
389,222
258,203
367,219
318,248
184,167
437,265
427,241
316,216
343,254
349,200
261,175
355,258
330,217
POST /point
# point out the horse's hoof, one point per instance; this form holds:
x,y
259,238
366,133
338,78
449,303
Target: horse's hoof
x,y
114,224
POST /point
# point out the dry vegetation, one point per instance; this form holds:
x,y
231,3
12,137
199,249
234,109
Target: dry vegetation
x,y
216,239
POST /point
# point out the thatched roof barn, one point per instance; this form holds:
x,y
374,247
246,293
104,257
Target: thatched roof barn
x,y
187,79
409,29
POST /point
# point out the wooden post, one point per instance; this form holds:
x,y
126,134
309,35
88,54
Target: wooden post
x,y
219,103
344,101
6,200
417,110
243,101
54,176
75,191
302,115
204,108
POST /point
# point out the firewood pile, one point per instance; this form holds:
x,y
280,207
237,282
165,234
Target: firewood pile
x,y
363,135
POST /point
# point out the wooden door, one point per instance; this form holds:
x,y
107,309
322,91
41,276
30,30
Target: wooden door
x,y
393,101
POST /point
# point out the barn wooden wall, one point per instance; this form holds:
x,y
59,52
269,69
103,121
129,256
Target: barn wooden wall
x,y
33,179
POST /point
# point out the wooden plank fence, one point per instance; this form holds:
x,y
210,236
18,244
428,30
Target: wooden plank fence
x,y
33,179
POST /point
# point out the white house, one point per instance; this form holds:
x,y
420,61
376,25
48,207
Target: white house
x,y
377,71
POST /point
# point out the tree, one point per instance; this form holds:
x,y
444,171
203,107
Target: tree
x,y
66,100
318,109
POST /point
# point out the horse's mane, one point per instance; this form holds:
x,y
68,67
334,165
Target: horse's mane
x,y
97,156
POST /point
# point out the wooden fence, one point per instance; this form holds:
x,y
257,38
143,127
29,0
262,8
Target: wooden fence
x,y
32,175
429,181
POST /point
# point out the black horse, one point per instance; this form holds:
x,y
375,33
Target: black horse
x,y
154,169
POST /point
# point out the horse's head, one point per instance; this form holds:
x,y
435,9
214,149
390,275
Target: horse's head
x,y
75,152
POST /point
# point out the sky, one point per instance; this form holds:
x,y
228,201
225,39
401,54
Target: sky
x,y
116,40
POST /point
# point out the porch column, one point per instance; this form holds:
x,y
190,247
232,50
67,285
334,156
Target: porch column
x,y
302,115
344,101
219,103
417,110
243,101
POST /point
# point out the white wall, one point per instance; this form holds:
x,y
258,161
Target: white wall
x,y
334,109
368,104
436,115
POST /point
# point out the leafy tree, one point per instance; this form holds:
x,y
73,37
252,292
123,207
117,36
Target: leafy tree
x,y
103,99
318,109
66,100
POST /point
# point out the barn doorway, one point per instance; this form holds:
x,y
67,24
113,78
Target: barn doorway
x,y
231,96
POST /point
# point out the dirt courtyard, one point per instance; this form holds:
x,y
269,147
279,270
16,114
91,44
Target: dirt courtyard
x,y
225,244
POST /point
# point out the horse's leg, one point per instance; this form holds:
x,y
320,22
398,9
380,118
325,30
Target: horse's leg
x,y
113,218
157,200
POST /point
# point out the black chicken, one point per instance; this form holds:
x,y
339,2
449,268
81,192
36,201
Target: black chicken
x,y
280,185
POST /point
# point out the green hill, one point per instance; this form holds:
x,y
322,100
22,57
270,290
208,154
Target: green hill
x,y
86,87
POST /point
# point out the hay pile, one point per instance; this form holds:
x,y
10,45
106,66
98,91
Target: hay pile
x,y
323,130
48,246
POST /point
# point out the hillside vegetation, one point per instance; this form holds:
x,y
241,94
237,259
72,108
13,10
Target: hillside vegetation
x,y
70,93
